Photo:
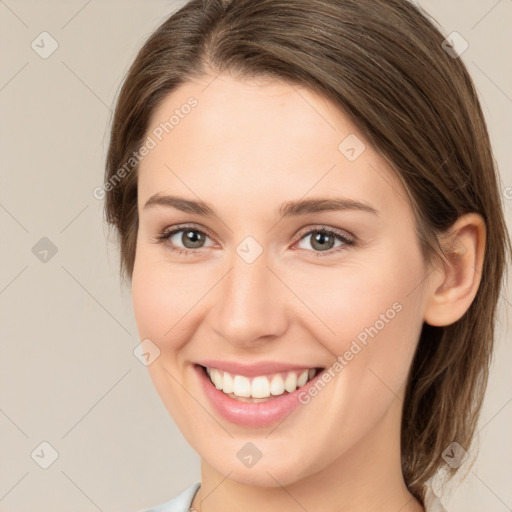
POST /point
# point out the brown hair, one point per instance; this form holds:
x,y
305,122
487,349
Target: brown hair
x,y
382,63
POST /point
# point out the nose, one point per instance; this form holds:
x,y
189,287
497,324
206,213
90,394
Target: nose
x,y
250,304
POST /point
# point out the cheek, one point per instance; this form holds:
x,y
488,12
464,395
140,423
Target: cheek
x,y
160,308
373,311
150,303
162,295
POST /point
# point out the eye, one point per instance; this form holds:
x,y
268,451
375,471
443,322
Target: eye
x,y
191,237
194,238
323,239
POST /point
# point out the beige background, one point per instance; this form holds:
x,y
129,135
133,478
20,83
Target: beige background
x,y
68,375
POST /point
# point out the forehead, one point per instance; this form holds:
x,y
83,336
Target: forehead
x,y
243,140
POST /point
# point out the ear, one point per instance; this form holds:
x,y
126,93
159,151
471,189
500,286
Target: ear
x,y
455,283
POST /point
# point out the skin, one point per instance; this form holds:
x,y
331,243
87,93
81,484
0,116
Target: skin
x,y
246,148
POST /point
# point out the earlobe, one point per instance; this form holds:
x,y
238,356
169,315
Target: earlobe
x,y
461,273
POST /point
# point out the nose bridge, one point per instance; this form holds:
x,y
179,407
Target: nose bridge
x,y
247,305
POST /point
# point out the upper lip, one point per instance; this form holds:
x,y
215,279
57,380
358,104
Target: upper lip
x,y
254,369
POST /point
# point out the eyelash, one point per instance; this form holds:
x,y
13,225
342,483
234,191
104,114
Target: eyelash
x,y
164,236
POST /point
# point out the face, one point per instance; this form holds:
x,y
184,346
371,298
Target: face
x,y
261,291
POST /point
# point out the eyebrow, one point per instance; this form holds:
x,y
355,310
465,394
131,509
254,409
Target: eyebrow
x,y
287,209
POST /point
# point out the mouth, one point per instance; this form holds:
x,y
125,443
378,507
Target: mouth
x,y
257,395
259,388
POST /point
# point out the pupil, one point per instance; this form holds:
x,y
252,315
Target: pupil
x,y
321,238
194,237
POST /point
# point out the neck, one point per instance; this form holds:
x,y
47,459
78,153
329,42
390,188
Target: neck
x,y
368,478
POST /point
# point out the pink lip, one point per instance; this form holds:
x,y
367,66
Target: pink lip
x,y
252,370
251,414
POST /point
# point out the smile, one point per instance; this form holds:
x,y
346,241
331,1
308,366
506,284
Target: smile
x,y
261,387
254,396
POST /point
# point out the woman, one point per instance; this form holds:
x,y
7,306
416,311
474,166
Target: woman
x,y
309,216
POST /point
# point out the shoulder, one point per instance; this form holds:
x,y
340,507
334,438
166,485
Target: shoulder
x,y
432,502
180,503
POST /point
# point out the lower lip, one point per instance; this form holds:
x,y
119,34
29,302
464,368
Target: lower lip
x,y
257,414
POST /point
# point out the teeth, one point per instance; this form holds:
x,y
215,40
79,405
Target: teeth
x,y
259,387
290,383
303,378
277,385
227,383
241,386
216,378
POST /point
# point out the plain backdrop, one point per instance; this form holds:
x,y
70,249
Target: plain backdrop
x,y
68,375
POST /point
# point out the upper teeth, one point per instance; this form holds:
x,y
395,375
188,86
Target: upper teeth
x,y
261,386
